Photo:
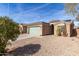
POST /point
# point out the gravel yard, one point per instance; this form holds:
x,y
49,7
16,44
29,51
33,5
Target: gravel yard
x,y
46,46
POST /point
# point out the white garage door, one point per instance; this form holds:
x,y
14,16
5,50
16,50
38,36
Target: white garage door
x,y
35,31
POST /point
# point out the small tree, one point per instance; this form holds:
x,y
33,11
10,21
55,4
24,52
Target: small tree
x,y
71,8
8,31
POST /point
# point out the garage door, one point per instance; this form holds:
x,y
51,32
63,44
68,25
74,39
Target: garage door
x,y
35,31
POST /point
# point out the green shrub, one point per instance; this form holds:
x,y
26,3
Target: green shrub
x,y
8,31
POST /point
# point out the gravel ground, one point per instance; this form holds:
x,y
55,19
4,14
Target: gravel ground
x,y
46,46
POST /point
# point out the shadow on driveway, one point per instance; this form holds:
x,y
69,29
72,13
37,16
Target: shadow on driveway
x,y
26,50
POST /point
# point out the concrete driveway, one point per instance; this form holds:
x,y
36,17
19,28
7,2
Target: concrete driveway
x,y
25,36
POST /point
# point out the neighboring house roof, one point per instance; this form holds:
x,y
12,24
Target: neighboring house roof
x,y
53,21
67,20
35,23
32,24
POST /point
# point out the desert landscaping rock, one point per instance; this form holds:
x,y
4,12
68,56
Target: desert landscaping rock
x,y
48,46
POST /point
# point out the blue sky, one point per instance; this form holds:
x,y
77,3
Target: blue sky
x,y
30,12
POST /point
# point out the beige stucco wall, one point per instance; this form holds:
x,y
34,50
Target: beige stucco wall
x,y
69,27
55,29
77,30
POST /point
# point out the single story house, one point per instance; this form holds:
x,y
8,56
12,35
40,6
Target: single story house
x,y
57,28
38,29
